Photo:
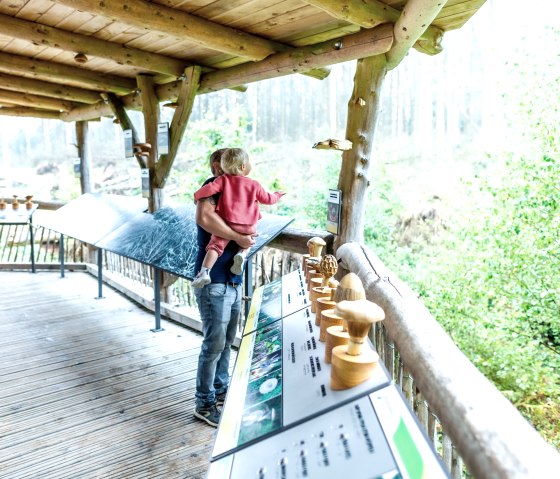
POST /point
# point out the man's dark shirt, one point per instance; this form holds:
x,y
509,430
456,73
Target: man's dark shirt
x,y
220,272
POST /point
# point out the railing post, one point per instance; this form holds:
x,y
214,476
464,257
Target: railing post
x,y
157,300
61,255
99,274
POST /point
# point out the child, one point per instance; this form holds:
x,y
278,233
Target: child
x,y
238,205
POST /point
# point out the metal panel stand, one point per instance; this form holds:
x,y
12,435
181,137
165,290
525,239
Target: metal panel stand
x,y
99,274
61,255
248,285
157,300
32,240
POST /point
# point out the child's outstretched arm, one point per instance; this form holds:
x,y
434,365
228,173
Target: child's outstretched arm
x,y
266,198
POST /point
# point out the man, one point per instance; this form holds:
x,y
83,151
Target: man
x,y
219,304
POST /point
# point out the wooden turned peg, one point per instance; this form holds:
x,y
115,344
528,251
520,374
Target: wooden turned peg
x,y
2,204
336,336
315,283
316,245
310,264
28,203
328,268
329,318
304,257
352,364
319,292
15,202
322,305
350,288
313,274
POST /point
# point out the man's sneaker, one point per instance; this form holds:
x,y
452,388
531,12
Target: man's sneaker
x,y
210,415
238,262
221,399
201,280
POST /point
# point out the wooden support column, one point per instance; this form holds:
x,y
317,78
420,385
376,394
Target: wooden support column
x,y
353,181
82,143
150,109
84,153
122,117
188,89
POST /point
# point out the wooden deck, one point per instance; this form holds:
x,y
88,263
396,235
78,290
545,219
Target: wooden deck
x,y
88,391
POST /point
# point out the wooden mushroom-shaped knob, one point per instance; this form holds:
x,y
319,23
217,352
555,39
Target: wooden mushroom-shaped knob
x,y
142,149
328,268
352,364
316,245
350,288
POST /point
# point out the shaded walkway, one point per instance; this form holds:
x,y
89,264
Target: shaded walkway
x,y
88,391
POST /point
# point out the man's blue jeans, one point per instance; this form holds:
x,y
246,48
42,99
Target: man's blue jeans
x,y
219,305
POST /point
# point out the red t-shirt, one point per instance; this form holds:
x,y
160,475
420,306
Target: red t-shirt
x,y
239,199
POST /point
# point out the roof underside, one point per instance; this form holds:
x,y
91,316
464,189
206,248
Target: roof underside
x,y
59,56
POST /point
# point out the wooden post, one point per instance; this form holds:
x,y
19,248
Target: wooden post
x,y
353,181
82,143
150,109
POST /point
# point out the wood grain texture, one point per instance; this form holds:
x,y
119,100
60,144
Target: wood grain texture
x,y
87,390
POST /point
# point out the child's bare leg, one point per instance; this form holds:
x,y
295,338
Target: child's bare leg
x,y
210,259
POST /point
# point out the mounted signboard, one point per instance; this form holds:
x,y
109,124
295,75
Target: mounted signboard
x,y
281,419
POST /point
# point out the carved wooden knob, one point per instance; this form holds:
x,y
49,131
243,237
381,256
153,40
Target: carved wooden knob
x,y
359,316
316,245
328,268
350,288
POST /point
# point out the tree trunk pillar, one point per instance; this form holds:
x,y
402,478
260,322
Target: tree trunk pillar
x,y
82,143
150,109
353,181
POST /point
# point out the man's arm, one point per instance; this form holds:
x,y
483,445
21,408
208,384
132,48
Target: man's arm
x,y
208,219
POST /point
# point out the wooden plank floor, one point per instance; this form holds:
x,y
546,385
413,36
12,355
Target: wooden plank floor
x,y
88,391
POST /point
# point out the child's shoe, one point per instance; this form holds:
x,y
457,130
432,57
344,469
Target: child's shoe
x,y
238,263
201,279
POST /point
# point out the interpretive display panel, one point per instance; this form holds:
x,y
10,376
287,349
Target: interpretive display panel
x,y
92,216
281,378
373,436
276,300
166,239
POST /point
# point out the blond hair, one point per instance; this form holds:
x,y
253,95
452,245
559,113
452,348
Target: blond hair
x,y
234,160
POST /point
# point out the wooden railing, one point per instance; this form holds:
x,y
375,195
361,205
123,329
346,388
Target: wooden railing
x,y
475,430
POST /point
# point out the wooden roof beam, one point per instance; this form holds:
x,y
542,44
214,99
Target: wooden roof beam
x,y
150,16
52,90
36,101
88,45
370,13
365,43
187,27
15,64
30,112
414,20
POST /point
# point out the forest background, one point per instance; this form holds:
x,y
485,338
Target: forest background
x,y
463,203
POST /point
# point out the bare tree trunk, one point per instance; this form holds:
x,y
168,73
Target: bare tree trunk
x,y
82,140
353,181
